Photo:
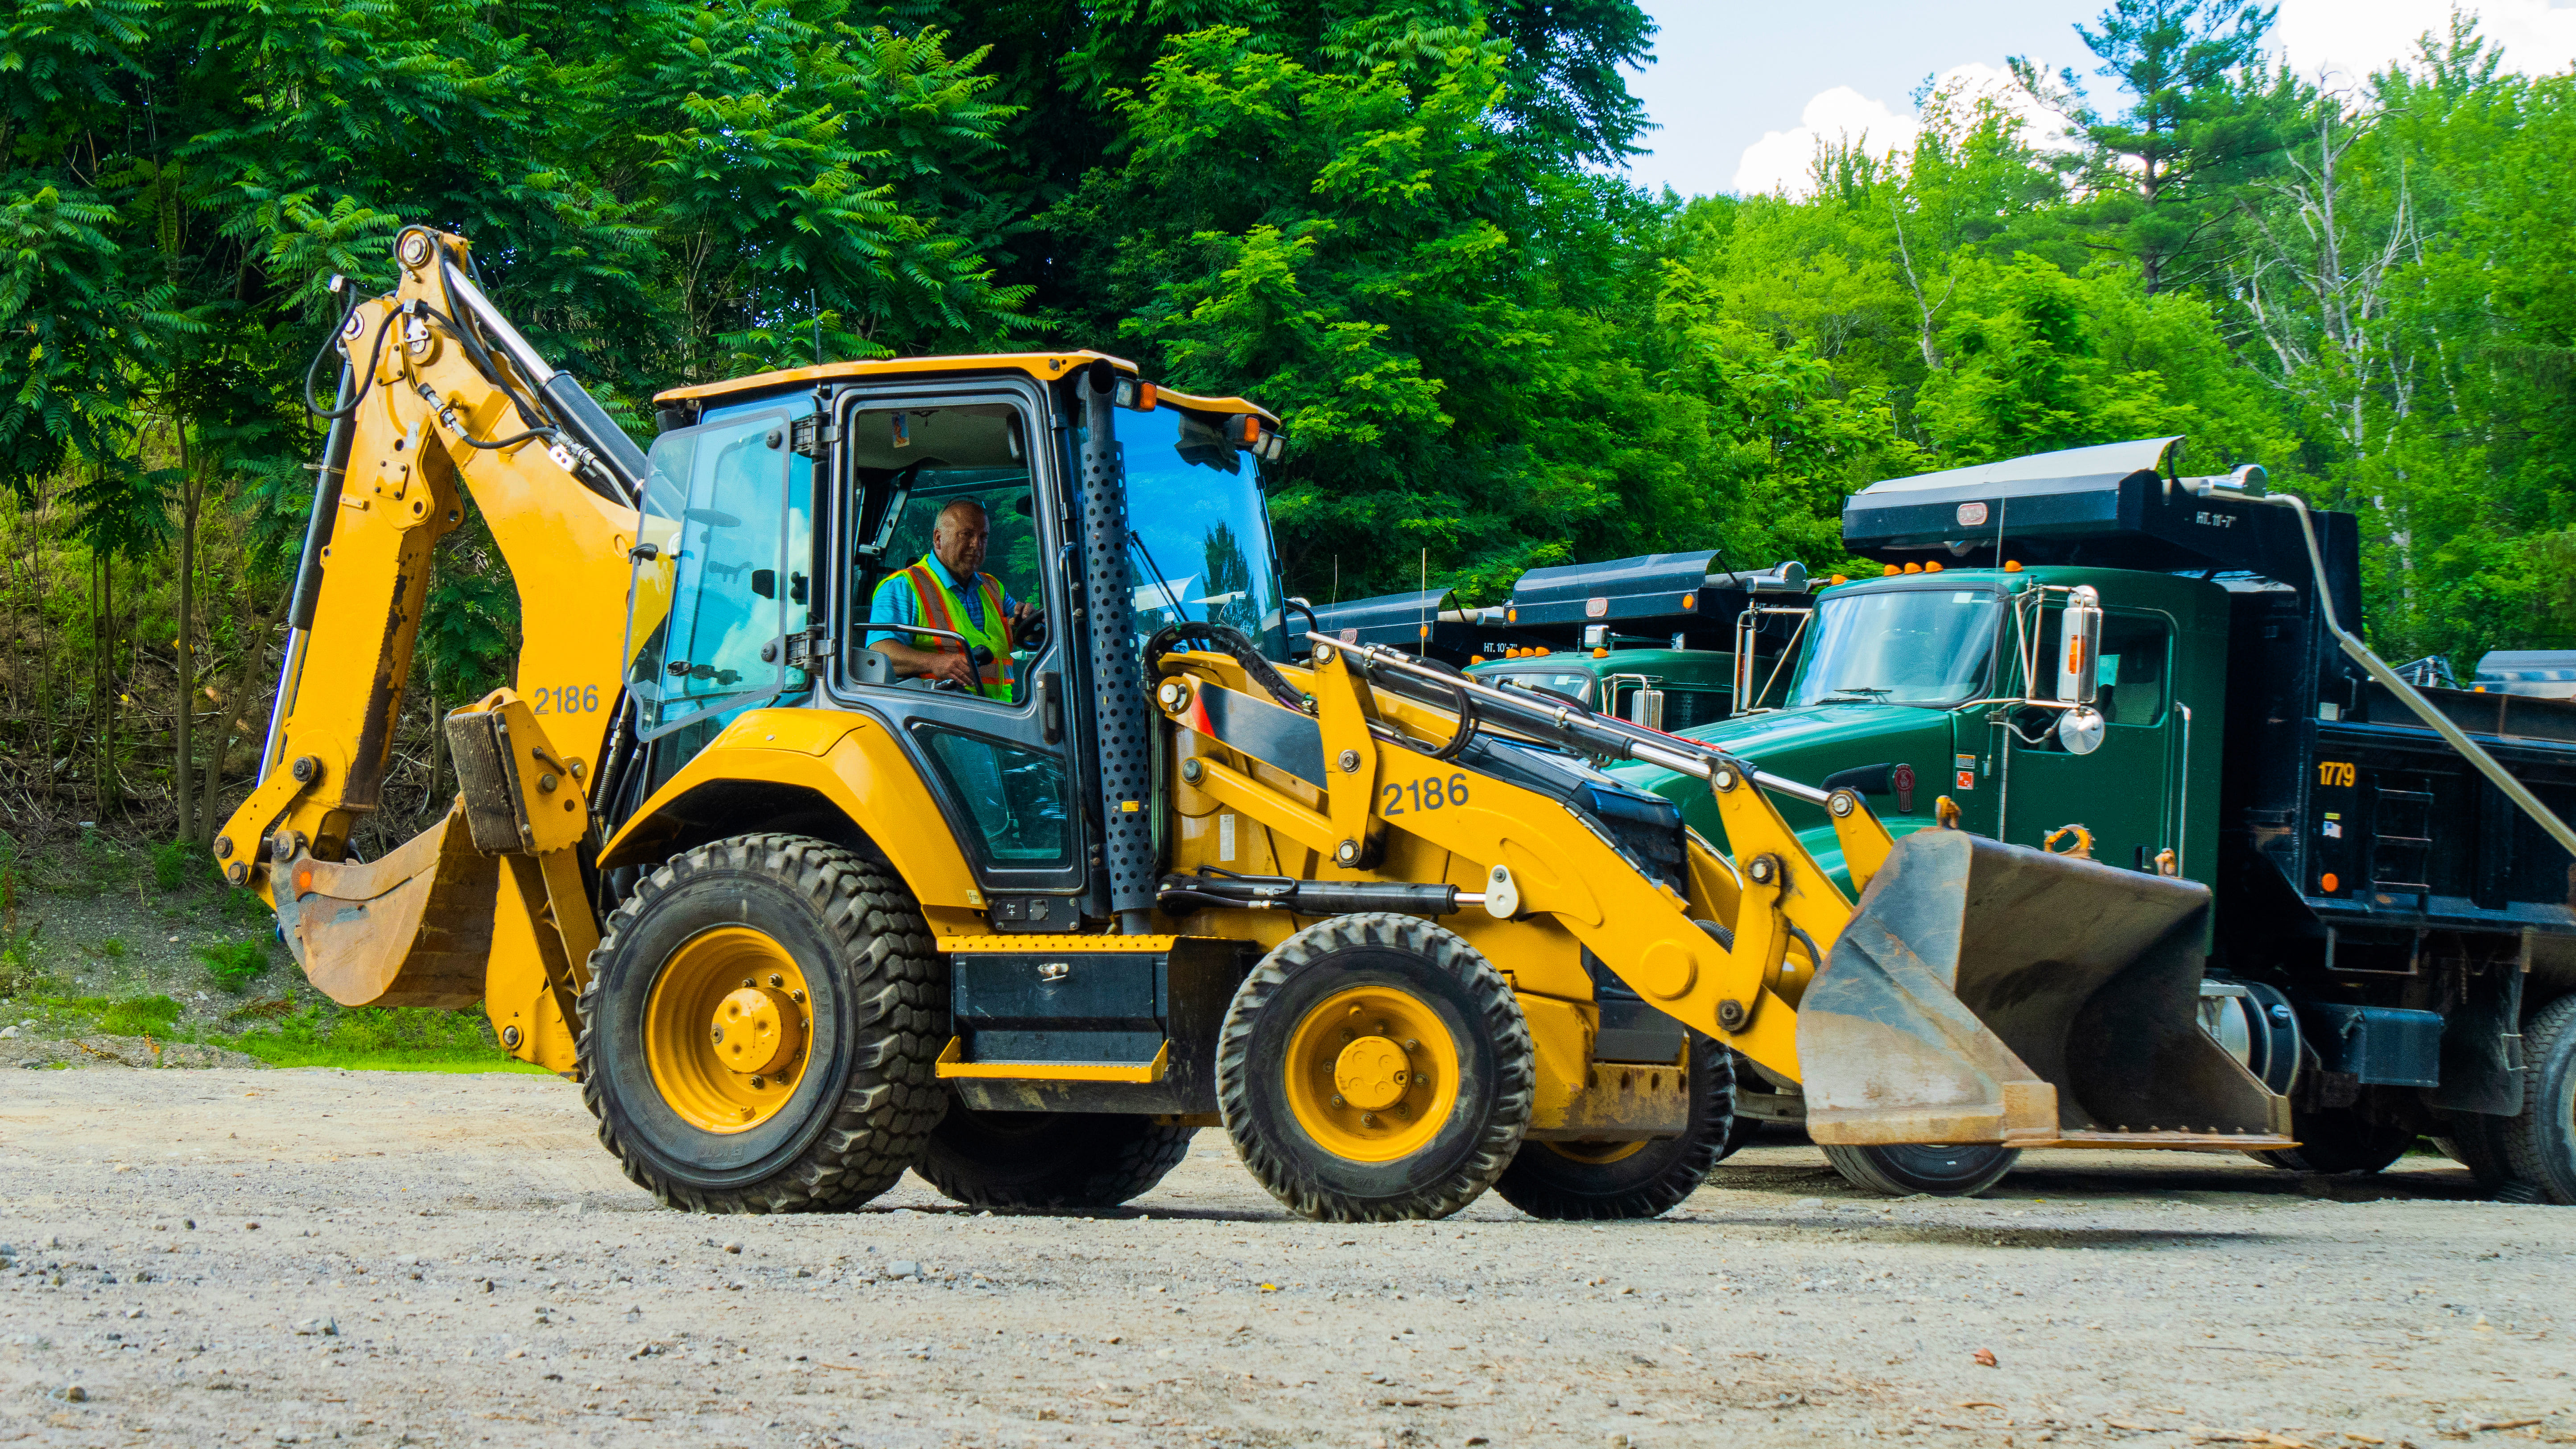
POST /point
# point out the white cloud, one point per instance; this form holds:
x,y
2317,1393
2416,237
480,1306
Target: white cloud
x,y
1781,160
1784,160
2352,38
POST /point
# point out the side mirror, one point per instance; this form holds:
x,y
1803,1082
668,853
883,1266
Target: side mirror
x,y
2079,632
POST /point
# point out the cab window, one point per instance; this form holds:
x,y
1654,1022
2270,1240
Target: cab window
x,y
912,468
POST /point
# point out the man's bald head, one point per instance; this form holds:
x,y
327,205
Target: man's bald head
x,y
958,537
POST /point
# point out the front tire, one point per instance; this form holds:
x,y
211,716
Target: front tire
x,y
1938,1170
1375,1068
1609,1181
1049,1159
759,1029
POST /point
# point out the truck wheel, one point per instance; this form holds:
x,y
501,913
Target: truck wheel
x,y
760,1026
2540,1142
1049,1159
2471,1140
1375,1068
2339,1140
1602,1181
1942,1171
1740,1129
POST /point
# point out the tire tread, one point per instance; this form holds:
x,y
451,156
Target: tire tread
x,y
891,1102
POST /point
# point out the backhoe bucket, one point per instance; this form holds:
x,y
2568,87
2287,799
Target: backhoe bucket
x,y
1986,992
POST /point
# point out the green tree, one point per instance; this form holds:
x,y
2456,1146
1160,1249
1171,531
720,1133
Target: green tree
x,y
2202,119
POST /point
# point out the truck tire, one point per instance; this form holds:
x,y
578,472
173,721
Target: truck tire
x,y
2470,1139
2339,1141
1740,1129
1426,1031
759,1029
1049,1159
1607,1181
1941,1171
2540,1142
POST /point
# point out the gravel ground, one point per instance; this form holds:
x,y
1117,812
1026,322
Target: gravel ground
x,y
324,1257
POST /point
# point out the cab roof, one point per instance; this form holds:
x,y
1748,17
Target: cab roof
x,y
1044,366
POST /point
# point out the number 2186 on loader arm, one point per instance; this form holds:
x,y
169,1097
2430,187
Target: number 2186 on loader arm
x,y
916,764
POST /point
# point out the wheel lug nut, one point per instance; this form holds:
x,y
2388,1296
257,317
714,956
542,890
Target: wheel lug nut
x,y
1412,1045
719,1036
758,1082
777,980
747,981
1368,1119
1337,1101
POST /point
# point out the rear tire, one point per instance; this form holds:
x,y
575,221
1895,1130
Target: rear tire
x,y
1609,1181
2539,1144
839,1121
1740,1129
1938,1170
2339,1141
2470,1139
1308,1080
1049,1159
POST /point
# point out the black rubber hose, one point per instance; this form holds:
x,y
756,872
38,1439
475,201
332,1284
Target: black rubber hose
x,y
1229,641
365,379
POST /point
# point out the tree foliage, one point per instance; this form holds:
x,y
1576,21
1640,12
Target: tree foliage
x,y
1400,223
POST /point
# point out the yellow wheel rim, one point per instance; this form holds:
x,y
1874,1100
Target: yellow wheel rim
x,y
1595,1154
1372,1073
725,1029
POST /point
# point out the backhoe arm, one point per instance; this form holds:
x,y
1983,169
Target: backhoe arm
x,y
440,400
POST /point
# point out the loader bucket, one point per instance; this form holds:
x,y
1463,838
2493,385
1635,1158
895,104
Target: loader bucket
x,y
413,928
1986,992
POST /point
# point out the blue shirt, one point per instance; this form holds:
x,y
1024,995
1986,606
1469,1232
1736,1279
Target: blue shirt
x,y
895,603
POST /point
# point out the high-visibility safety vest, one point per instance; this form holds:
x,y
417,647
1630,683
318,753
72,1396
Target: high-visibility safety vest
x,y
942,609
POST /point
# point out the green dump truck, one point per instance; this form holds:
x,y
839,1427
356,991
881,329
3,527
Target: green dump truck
x,y
2090,652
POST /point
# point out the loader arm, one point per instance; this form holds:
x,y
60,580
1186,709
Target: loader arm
x,y
442,401
1783,911
1945,1004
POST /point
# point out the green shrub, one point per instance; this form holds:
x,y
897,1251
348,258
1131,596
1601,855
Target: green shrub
x,y
136,1015
234,965
19,973
177,865
113,948
241,907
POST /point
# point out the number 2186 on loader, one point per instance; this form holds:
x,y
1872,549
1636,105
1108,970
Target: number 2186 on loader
x,y
916,764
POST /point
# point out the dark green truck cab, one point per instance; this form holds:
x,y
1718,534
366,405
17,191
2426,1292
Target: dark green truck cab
x,y
1907,689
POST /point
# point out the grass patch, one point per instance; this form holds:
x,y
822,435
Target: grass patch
x,y
233,965
377,1039
357,1039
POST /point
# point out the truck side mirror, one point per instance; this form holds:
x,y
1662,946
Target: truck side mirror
x,y
2079,632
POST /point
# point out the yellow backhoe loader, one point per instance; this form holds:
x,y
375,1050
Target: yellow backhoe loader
x,y
818,844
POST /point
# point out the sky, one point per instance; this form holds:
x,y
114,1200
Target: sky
x,y
1744,88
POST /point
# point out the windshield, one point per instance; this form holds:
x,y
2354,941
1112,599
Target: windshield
x,y
1199,530
1899,646
1573,685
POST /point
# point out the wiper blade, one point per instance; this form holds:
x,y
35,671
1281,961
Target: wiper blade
x,y
1863,691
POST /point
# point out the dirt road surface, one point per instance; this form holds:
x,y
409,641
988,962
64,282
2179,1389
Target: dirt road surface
x,y
236,1257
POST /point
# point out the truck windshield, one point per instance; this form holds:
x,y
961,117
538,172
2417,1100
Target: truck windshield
x,y
1574,685
1201,533
1900,646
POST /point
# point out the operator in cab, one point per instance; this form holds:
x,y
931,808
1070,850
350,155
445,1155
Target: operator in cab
x,y
947,590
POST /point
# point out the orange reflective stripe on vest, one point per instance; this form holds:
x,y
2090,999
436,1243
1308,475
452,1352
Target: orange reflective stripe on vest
x,y
941,609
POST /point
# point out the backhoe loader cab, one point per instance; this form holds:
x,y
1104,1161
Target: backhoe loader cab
x,y
914,764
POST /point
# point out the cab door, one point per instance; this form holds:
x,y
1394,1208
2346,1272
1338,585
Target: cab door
x,y
997,764
2123,791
